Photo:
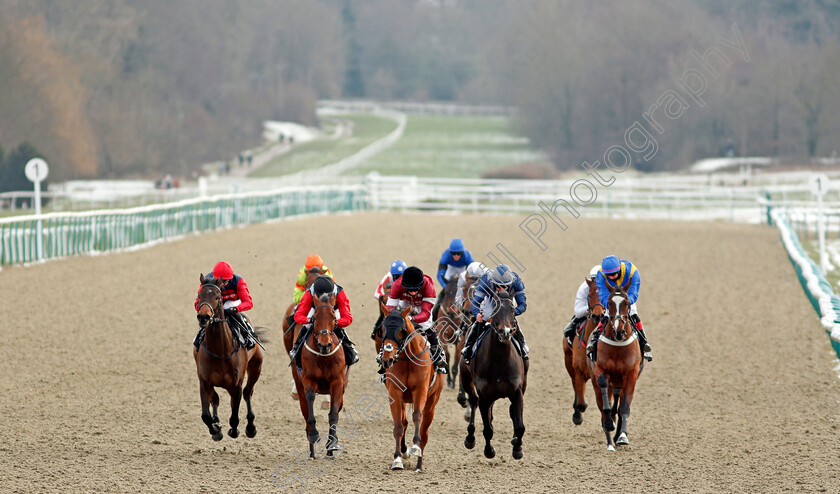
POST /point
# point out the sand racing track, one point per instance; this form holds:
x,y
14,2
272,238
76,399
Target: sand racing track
x,y
99,391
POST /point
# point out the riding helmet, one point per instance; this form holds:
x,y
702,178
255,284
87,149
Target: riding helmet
x,y
610,264
476,269
502,275
323,284
397,267
314,260
412,278
222,270
594,271
456,246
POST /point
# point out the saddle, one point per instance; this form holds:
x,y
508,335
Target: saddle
x,y
484,332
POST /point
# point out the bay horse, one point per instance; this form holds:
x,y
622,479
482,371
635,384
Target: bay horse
x,y
496,371
448,323
577,363
618,363
409,378
222,362
288,318
323,371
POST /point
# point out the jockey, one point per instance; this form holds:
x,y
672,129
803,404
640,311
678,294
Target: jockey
x,y
499,279
321,290
473,273
237,299
313,261
417,290
581,306
393,274
453,262
616,272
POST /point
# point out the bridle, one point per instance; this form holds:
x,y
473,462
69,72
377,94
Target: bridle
x,y
501,333
216,319
402,344
326,331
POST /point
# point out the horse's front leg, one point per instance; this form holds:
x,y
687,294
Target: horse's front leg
x,y
487,418
602,390
398,414
419,402
336,402
624,411
205,392
517,406
235,400
312,433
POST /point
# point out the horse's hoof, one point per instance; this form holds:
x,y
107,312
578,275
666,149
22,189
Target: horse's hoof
x,y
577,418
250,431
415,451
404,455
622,439
332,445
469,442
314,438
294,395
489,451
517,455
610,448
234,433
217,437
398,464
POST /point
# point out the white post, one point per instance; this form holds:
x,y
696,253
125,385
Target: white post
x,y
819,185
821,233
37,170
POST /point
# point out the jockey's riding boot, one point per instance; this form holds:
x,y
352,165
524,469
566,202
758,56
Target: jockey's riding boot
x,y
299,342
467,352
351,356
238,327
643,343
198,337
523,347
437,352
592,347
571,328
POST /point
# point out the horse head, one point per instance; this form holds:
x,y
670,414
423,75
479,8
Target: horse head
x,y
503,322
396,329
596,310
619,326
323,322
209,301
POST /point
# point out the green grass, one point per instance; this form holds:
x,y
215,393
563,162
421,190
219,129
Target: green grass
x,y
449,146
319,153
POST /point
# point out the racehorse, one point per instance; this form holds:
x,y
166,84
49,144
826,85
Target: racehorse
x,y
577,363
409,378
618,363
448,323
496,371
467,321
288,319
221,362
323,371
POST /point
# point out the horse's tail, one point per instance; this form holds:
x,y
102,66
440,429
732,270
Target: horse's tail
x,y
262,332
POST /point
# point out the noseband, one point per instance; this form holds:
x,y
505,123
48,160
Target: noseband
x,y
214,310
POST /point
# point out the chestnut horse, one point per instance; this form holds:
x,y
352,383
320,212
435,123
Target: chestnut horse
x,y
496,371
618,363
323,371
448,322
221,362
409,378
288,319
577,363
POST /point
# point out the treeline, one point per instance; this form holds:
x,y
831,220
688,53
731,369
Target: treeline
x,y
114,88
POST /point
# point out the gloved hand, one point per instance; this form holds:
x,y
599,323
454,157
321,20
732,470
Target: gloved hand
x,y
232,304
232,309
